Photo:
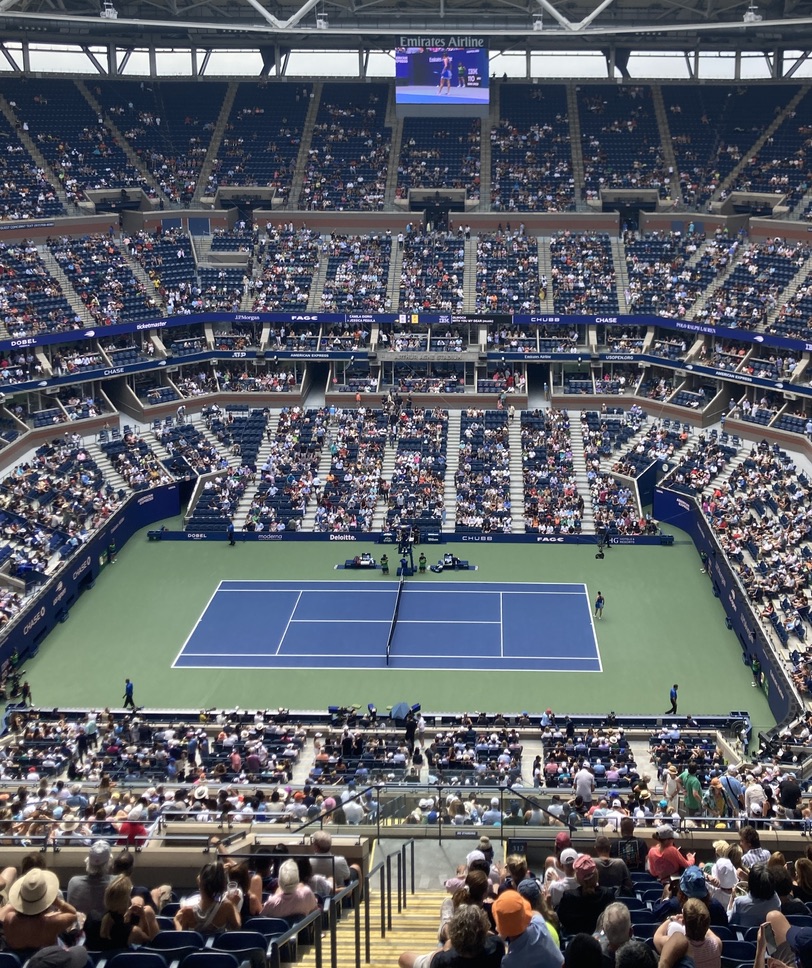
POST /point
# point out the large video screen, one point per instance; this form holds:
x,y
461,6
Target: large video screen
x,y
438,75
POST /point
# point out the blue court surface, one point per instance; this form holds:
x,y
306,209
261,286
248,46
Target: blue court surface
x,y
511,627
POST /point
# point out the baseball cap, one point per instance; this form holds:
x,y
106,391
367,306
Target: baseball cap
x,y
530,890
800,940
692,883
512,914
664,832
568,856
99,854
55,957
563,839
585,868
474,855
616,803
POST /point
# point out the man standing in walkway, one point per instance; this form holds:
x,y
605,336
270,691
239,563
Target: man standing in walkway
x,y
673,697
128,695
583,783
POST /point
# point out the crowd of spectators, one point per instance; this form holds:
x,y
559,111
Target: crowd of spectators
x,y
357,273
432,272
417,488
752,289
354,481
31,300
583,273
660,279
551,500
507,274
440,154
135,461
482,478
287,259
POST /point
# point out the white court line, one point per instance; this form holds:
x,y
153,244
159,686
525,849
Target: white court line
x,y
443,621
194,627
292,613
314,591
592,624
501,629
402,655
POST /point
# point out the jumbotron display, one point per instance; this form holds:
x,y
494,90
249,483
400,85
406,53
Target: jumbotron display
x,y
441,75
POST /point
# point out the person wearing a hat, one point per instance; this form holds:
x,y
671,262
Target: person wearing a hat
x,y
664,860
692,884
292,898
86,891
529,942
568,881
131,831
493,815
671,787
580,909
126,920
36,915
553,868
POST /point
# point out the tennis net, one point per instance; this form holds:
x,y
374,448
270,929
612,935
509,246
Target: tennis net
x,y
394,621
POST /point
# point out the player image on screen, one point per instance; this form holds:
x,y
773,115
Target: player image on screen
x,y
427,75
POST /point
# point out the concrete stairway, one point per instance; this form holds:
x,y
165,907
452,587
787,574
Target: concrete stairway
x,y
469,278
786,294
215,142
309,520
546,270
304,147
452,462
666,141
621,274
396,124
516,475
751,152
576,146
708,294
579,468
413,929
393,283
37,156
317,285
264,452
387,470
485,151
125,145
69,292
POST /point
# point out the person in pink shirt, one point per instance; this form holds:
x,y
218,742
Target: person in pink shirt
x,y
664,859
292,899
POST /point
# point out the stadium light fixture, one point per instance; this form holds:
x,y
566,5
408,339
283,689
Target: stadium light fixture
x,y
108,11
751,14
538,23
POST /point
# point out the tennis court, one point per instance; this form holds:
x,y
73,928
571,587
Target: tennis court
x,y
510,627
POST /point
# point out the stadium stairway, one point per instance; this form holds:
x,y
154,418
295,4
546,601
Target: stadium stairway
x,y
621,274
485,149
31,147
453,454
304,147
68,291
414,929
785,295
469,278
125,145
395,267
325,460
707,295
579,468
215,142
576,147
666,142
751,152
516,475
314,303
546,271
396,125
387,470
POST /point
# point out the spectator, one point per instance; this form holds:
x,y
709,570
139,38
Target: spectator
x,y
529,942
530,889
751,909
704,946
583,951
612,872
664,858
36,916
579,910
211,912
614,930
630,849
125,920
329,865
692,884
469,942
292,899
86,892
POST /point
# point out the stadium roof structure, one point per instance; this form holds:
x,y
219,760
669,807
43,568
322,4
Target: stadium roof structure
x,y
273,26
